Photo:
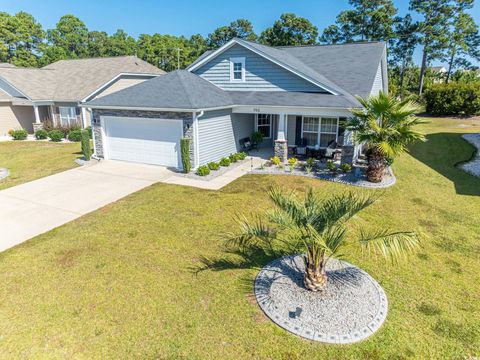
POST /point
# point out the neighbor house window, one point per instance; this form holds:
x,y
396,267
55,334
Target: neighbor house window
x,y
310,130
68,116
264,124
237,69
328,131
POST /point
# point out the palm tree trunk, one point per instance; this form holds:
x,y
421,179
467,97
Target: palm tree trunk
x,y
315,278
376,166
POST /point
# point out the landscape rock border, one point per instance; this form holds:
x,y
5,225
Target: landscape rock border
x,y
353,307
4,173
351,178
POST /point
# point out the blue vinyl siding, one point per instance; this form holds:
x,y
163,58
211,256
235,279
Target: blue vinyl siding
x,y
378,81
260,73
219,133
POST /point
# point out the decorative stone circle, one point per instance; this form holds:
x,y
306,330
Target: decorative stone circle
x,y
352,307
4,173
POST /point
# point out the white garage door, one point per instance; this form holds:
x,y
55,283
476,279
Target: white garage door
x,y
149,141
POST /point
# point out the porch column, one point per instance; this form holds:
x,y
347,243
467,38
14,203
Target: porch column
x,y
38,124
84,117
37,115
281,146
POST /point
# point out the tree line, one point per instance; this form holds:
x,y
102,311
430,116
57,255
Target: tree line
x,y
445,31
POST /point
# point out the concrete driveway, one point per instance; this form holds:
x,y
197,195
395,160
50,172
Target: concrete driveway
x,y
33,208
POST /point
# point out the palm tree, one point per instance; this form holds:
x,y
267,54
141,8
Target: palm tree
x,y
386,126
318,227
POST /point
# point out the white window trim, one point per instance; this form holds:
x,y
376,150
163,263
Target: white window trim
x,y
69,118
234,60
319,117
270,117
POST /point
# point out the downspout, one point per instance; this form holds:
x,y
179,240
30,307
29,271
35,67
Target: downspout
x,y
196,145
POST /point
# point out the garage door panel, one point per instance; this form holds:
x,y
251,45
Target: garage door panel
x,y
150,141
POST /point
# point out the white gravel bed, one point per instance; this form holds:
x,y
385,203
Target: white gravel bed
x,y
355,177
4,173
473,167
352,307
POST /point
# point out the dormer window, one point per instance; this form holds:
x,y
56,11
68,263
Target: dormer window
x,y
237,69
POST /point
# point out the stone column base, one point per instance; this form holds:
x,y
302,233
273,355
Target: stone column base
x,y
281,150
37,126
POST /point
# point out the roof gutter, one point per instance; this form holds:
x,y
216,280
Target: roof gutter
x,y
107,107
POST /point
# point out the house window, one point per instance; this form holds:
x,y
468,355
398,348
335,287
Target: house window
x,y
328,131
310,129
68,116
237,69
264,125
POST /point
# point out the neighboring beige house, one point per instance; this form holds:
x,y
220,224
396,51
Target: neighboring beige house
x,y
30,96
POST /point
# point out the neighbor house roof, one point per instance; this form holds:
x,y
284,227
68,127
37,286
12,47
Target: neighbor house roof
x,y
72,80
176,90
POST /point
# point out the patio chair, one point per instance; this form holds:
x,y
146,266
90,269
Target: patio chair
x,y
331,149
302,147
246,144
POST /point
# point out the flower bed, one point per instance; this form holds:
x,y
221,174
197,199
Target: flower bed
x,y
320,170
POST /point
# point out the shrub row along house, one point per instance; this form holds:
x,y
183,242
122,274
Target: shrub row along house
x,y
294,96
30,97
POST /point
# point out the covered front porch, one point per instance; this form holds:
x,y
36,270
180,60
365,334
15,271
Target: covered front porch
x,y
298,132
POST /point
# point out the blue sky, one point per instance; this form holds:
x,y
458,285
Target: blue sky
x,y
185,17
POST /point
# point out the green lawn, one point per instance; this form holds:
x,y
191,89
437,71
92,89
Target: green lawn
x,y
29,160
122,282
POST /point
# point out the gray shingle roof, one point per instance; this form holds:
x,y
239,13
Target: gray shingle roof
x,y
73,80
176,90
285,98
351,66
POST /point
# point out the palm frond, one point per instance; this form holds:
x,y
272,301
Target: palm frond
x,y
288,203
251,232
392,246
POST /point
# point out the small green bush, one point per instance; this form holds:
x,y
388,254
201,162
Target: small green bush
x,y
233,158
345,167
225,162
203,170
275,160
185,153
213,165
75,135
453,99
19,134
56,135
41,134
241,155
89,129
331,166
85,139
311,161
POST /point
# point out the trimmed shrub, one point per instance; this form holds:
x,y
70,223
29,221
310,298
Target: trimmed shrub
x,y
75,135
85,139
41,134
213,165
233,158
203,170
56,135
453,99
10,132
19,134
241,156
345,167
225,162
185,153
89,129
